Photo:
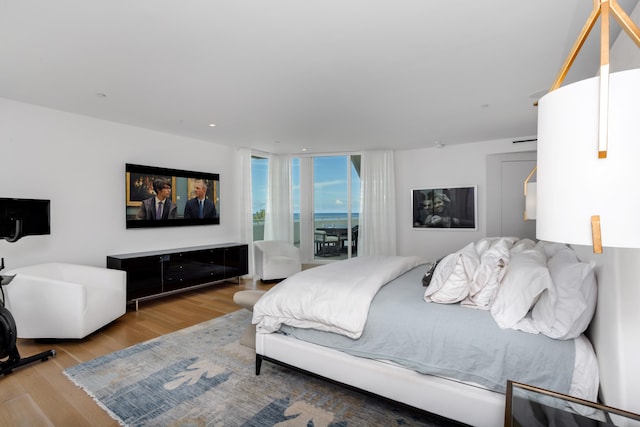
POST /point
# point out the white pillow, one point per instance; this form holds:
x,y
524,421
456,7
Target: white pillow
x,y
526,278
487,277
526,325
523,244
469,258
566,313
486,243
451,281
550,248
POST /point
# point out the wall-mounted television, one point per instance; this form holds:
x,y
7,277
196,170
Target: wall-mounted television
x,y
24,217
162,197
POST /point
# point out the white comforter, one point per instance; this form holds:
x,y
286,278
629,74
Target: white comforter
x,y
333,298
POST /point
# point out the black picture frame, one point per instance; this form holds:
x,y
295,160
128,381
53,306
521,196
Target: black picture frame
x,y
445,208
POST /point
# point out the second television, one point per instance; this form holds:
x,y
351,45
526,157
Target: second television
x,y
163,197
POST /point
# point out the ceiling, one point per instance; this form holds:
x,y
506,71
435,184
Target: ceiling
x,y
286,75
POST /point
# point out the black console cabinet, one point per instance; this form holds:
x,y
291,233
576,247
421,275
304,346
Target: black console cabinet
x,y
156,273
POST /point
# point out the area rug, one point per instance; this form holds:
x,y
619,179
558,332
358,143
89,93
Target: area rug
x,y
202,376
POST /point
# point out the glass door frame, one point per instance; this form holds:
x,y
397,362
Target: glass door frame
x,y
307,209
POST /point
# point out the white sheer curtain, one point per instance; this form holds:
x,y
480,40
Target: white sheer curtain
x,y
246,209
377,228
278,221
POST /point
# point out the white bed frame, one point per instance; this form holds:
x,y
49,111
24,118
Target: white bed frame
x,y
451,399
618,274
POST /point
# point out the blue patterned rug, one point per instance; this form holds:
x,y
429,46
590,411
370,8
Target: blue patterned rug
x,y
202,376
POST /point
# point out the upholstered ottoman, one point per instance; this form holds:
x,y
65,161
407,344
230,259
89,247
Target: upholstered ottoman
x,y
64,301
247,299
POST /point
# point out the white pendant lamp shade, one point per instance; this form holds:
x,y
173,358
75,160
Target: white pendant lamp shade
x,y
573,183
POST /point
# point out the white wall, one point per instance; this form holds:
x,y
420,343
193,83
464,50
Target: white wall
x,y
79,164
455,165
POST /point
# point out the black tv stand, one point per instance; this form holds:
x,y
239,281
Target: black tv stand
x,y
159,273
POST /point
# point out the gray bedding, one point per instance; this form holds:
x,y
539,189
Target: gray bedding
x,y
451,341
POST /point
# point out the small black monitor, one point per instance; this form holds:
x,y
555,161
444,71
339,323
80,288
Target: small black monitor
x,y
23,217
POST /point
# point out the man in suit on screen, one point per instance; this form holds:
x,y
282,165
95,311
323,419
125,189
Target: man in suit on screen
x,y
159,206
200,206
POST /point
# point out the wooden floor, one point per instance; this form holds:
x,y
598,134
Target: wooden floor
x,y
39,394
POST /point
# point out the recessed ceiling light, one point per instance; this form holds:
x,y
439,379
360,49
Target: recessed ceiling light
x,y
212,125
304,149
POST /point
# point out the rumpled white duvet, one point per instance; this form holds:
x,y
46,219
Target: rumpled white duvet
x,y
333,298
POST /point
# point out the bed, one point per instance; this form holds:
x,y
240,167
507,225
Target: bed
x,y
494,310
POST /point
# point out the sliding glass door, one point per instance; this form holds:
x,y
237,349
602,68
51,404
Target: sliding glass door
x,y
325,200
336,206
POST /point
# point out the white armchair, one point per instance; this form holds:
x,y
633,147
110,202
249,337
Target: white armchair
x,y
58,300
276,259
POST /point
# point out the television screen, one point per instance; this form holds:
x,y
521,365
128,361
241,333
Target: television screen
x,y
161,197
23,217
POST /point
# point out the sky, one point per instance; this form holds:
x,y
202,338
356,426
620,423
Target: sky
x,y
330,185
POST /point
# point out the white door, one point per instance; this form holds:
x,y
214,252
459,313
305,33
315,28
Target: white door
x,y
505,194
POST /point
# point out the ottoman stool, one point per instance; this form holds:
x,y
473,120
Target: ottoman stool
x,y
247,299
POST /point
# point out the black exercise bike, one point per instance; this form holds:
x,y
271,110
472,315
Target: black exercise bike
x,y
9,356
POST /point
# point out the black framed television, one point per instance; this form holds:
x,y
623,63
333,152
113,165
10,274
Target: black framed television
x,y
24,217
163,197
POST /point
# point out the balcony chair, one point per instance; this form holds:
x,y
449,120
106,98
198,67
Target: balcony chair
x,y
61,301
354,240
326,244
276,259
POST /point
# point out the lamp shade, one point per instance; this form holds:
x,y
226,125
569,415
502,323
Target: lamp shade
x,y
573,183
530,202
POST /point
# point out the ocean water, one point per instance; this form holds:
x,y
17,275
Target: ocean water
x,y
323,216
327,219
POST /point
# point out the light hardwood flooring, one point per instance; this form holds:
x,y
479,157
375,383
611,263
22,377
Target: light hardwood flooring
x,y
39,394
